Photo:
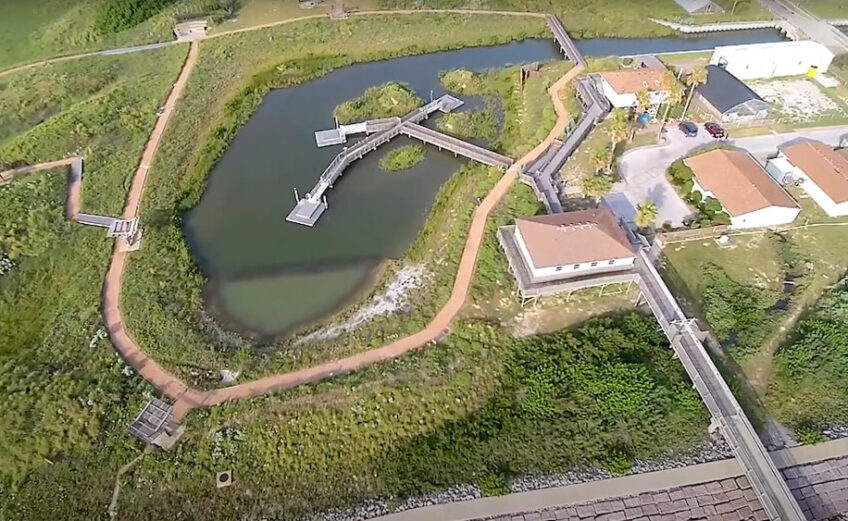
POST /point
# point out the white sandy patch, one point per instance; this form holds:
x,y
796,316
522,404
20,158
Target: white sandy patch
x,y
797,99
393,298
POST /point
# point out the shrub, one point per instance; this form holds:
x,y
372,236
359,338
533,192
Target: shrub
x,y
403,158
493,484
117,15
808,434
461,81
388,100
680,174
694,198
618,462
739,315
596,185
482,124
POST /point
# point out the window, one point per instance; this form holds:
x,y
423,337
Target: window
x,y
594,264
611,262
576,266
559,268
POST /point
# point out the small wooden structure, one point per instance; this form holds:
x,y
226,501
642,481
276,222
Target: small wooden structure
x,y
154,425
191,30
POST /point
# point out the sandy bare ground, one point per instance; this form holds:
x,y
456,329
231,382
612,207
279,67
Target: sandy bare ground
x,y
797,99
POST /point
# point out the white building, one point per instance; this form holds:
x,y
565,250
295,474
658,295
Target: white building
x,y
743,187
621,87
821,170
565,247
771,60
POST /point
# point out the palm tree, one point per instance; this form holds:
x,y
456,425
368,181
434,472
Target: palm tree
x,y
617,131
600,159
646,214
698,76
674,92
643,100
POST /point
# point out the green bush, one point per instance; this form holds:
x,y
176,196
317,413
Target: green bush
x,y
402,158
117,15
461,81
493,484
694,198
473,124
388,100
808,389
618,462
596,185
739,315
679,173
808,434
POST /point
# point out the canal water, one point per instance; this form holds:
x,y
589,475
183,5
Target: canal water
x,y
267,276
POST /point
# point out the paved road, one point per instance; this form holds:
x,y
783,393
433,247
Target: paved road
x,y
643,169
815,28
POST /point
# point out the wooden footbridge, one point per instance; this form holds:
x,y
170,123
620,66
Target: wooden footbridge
x,y
308,210
457,146
540,175
115,227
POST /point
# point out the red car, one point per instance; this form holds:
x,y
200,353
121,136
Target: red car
x,y
715,130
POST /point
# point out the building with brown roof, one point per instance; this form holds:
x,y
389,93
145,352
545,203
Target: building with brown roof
x,y
567,245
743,187
621,87
821,170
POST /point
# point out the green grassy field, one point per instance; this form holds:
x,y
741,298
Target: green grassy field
x,y
826,8
480,408
63,382
760,262
31,31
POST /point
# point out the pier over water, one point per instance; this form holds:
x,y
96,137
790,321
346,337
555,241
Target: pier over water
x,y
308,209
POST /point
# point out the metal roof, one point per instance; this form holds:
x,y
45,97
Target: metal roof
x,y
725,91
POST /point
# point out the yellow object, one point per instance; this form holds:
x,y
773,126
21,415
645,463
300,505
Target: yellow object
x,y
812,71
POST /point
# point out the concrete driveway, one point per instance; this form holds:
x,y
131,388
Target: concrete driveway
x,y
643,169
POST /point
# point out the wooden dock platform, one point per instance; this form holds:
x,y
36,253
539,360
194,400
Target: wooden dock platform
x,y
309,209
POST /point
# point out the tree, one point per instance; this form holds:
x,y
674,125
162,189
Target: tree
x,y
646,214
736,3
674,94
643,100
698,76
596,185
600,159
617,131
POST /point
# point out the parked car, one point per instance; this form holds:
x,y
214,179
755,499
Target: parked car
x,y
715,130
688,128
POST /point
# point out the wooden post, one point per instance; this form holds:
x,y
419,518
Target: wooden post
x,y
296,198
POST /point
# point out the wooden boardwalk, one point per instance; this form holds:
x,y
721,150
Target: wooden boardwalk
x,y
457,146
309,209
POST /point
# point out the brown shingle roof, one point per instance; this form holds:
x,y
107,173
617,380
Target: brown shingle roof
x,y
573,238
826,167
635,80
739,183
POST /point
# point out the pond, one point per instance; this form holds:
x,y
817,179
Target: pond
x,y
269,277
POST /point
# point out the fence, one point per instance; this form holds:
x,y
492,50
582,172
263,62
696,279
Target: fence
x,y
696,233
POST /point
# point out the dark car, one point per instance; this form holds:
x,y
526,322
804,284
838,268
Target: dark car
x,y
715,130
688,128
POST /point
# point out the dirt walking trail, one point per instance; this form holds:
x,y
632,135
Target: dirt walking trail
x,y
186,398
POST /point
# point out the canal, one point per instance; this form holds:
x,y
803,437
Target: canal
x,y
266,276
